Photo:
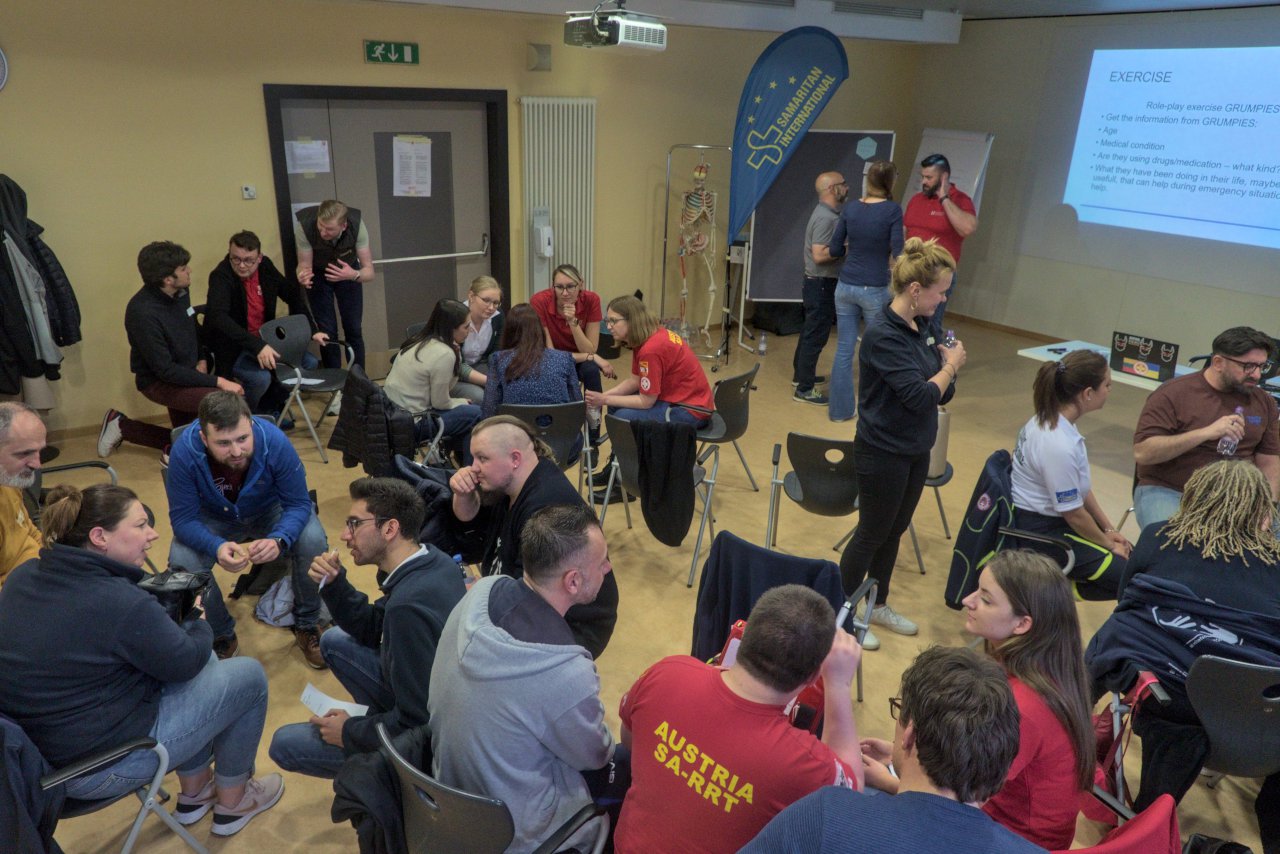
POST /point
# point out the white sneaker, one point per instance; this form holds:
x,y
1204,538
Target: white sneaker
x,y
870,643
883,615
335,405
260,795
110,437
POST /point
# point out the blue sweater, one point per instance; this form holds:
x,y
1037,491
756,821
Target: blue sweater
x,y
874,232
554,381
84,652
275,477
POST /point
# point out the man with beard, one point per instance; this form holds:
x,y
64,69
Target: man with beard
x,y
381,652
512,476
943,211
22,437
821,271
238,497
1184,419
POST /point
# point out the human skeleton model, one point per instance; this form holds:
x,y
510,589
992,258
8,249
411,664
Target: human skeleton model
x,y
698,238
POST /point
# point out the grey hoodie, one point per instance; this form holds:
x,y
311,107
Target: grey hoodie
x,y
514,718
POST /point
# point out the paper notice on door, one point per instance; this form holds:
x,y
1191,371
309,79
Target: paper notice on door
x,y
321,703
412,156
306,156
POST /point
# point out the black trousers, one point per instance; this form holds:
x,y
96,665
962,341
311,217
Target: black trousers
x,y
889,488
819,316
1096,574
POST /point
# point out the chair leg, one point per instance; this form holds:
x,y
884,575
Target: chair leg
x,y
946,530
702,525
1124,518
839,547
771,521
915,544
152,797
626,502
608,492
745,467
306,416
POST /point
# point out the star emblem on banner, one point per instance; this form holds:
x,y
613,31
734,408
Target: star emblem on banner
x,y
751,120
791,80
758,99
773,85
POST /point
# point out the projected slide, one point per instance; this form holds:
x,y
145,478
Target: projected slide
x,y
1182,142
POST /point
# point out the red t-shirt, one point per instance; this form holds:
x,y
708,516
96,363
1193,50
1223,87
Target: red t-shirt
x,y
1039,799
253,299
709,768
587,310
926,219
668,369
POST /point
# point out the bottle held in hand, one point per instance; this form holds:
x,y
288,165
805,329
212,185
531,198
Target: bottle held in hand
x,y
1227,444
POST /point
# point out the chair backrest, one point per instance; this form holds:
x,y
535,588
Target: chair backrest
x,y
440,818
1239,706
1152,831
413,329
289,335
625,450
827,476
733,402
557,424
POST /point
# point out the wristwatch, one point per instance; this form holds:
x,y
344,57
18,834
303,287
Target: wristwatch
x,y
283,546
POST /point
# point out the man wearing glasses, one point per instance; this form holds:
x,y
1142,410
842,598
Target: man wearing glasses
x,y
243,293
238,497
943,211
381,652
1184,420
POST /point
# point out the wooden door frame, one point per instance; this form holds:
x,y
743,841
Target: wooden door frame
x,y
495,112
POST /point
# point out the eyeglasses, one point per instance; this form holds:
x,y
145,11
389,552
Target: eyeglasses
x,y
895,707
562,288
1250,367
610,321
353,522
245,262
492,303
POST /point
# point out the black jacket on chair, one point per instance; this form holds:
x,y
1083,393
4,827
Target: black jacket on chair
x,y
371,429
226,315
667,453
28,815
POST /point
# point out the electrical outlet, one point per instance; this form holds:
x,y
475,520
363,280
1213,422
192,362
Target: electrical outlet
x,y
248,192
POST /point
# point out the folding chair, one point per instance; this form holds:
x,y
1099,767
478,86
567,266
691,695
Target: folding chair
x,y
291,336
1153,831
824,480
625,472
441,818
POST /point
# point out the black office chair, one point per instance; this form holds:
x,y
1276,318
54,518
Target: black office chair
x,y
1237,704
151,795
625,473
563,426
33,496
824,480
728,422
291,336
440,818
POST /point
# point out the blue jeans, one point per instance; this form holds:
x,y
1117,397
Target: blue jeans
x,y
457,429
350,297
306,596
299,747
658,412
257,380
819,314
218,715
1153,504
935,322
855,304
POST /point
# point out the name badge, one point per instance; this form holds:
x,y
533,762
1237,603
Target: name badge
x,y
191,311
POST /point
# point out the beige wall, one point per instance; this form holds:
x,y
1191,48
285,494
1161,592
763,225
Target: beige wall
x,y
139,121
995,80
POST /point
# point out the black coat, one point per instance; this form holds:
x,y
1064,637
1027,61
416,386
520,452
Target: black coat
x,y
371,429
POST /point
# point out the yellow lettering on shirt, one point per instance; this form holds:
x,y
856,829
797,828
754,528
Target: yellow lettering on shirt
x,y
713,782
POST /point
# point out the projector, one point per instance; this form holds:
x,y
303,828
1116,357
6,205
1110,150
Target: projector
x,y
618,28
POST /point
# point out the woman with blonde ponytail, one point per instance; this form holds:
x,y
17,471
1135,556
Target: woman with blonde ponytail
x,y
905,374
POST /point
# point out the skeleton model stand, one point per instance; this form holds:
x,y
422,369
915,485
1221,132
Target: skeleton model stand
x,y
698,240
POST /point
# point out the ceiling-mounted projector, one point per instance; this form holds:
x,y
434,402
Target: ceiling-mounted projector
x,y
615,28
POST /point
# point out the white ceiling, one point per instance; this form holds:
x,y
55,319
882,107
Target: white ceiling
x,y
893,20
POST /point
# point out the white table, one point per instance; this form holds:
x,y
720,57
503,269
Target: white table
x,y
1053,352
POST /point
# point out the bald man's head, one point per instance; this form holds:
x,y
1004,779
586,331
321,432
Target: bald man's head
x,y
831,188
504,451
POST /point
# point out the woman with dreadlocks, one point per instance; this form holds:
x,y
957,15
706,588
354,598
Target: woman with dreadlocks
x,y
1205,582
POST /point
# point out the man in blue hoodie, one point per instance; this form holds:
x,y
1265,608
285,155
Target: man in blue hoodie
x,y
238,497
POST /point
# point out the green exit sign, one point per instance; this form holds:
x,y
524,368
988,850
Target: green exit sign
x,y
396,53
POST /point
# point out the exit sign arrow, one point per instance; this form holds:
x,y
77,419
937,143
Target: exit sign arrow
x,y
395,53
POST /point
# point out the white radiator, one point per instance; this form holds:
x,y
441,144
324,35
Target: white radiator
x,y
560,175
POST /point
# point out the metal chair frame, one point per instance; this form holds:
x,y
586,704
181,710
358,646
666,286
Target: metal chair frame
x,y
291,335
728,422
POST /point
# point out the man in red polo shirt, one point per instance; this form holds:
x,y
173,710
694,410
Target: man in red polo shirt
x,y
940,210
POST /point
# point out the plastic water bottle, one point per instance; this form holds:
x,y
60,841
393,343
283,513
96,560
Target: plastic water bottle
x,y
949,340
1227,444
762,346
